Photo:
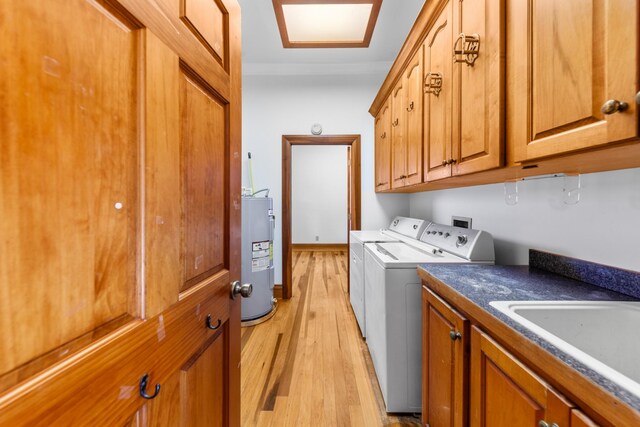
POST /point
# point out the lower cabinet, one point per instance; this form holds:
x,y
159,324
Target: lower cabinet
x,y
445,347
469,379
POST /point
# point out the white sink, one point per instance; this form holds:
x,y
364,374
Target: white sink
x,y
604,335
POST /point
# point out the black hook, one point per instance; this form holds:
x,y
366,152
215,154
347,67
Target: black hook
x,y
143,387
210,326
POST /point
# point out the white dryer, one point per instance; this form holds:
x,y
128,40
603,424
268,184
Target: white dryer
x,y
394,311
399,229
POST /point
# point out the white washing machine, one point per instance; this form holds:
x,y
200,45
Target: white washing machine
x,y
400,228
394,311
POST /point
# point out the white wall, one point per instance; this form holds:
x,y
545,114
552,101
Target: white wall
x,y
603,227
319,179
287,105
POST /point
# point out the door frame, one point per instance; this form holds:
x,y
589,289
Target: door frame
x,y
354,178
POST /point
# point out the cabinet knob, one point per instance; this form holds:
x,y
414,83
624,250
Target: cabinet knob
x,y
543,423
454,335
395,122
384,135
614,106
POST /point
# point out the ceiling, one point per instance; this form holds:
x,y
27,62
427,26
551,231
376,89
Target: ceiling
x,y
262,51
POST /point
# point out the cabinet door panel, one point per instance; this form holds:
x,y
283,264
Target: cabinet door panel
x,y
504,392
398,141
68,194
202,385
478,89
413,108
573,57
383,149
445,364
203,120
437,106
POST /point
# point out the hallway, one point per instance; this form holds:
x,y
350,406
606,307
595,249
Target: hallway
x,y
308,365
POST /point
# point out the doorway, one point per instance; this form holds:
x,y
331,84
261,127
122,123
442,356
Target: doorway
x,y
353,172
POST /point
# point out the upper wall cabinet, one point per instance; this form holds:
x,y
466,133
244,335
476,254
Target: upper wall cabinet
x,y
383,148
463,96
437,97
398,143
413,107
478,86
572,75
512,89
406,132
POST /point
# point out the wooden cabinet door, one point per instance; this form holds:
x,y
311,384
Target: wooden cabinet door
x,y
398,141
445,341
437,84
413,107
505,393
383,148
478,86
120,199
566,59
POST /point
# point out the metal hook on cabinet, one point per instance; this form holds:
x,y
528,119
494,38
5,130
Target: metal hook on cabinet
x,y
213,327
143,387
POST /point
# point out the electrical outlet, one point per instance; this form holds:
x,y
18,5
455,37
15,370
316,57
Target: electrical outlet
x,y
317,238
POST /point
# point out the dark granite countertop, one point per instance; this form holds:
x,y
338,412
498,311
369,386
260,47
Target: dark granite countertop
x,y
481,284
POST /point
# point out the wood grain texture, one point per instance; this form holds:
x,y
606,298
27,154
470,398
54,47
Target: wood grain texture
x,y
203,131
162,166
99,385
445,364
319,247
108,129
308,365
478,90
437,108
207,20
398,139
413,106
353,142
383,148
563,68
68,180
621,156
599,405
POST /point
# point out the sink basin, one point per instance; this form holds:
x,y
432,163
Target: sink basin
x,y
604,335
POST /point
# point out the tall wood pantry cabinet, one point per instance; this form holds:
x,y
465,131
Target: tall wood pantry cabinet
x,y
383,148
120,207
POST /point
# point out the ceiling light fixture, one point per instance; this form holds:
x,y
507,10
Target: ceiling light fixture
x,y
326,23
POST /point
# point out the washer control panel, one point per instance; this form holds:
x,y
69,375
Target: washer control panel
x,y
465,242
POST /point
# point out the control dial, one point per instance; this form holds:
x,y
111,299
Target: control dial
x,y
462,240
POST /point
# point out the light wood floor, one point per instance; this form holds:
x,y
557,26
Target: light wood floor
x,y
308,365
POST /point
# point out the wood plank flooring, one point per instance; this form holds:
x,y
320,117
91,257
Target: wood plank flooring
x,y
308,365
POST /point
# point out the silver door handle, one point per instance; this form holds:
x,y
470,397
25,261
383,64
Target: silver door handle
x,y
244,290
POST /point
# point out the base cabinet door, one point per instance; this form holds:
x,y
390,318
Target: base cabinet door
x,y
572,65
445,344
505,393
